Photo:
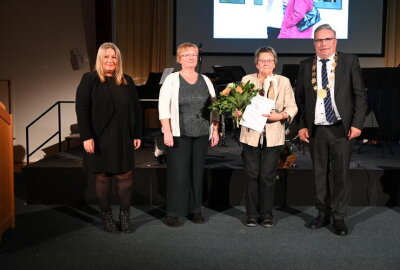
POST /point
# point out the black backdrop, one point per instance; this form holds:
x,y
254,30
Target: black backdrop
x,y
383,92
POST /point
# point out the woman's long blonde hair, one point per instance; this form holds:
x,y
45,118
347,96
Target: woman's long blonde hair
x,y
118,74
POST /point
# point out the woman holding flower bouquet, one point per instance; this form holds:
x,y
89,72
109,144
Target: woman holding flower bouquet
x,y
261,150
188,125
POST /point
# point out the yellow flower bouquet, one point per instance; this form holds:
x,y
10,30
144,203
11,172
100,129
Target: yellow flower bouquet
x,y
236,96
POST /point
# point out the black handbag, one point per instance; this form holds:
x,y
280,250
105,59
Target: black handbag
x,y
311,18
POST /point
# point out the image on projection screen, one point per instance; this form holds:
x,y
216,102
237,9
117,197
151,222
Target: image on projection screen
x,y
278,19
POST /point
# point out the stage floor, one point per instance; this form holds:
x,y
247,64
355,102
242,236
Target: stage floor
x,y
368,156
365,156
374,173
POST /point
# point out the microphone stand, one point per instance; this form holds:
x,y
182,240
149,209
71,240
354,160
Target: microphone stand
x,y
200,59
200,48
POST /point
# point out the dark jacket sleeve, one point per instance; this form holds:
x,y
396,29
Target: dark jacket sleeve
x,y
300,98
83,107
359,95
136,113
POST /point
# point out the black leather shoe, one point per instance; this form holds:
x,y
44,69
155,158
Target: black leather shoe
x,y
198,218
340,227
268,223
320,221
172,221
251,222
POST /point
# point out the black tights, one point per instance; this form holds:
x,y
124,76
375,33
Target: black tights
x,y
103,189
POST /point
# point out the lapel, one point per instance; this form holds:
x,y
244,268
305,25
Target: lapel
x,y
308,69
337,73
276,88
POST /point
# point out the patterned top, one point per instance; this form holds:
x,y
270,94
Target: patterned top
x,y
194,115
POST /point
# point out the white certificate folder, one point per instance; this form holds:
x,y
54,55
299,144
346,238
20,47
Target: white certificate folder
x,y
252,116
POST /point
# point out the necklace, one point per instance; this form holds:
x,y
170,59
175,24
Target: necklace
x,y
322,93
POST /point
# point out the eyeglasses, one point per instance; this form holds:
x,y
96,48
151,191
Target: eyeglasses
x,y
188,55
320,40
263,61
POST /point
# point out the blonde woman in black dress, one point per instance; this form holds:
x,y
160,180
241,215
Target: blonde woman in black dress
x,y
110,122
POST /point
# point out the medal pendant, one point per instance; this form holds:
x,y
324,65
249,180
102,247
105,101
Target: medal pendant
x,y
322,93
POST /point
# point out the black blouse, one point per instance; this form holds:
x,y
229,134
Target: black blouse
x,y
94,107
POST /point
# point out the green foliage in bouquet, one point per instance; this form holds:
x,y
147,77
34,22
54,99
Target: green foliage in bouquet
x,y
234,97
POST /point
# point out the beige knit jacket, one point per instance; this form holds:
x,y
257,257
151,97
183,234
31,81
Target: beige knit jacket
x,y
284,102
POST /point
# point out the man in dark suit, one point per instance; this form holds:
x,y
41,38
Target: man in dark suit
x,y
331,99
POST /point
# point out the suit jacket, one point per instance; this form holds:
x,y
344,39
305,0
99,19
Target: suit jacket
x,y
284,102
94,107
350,94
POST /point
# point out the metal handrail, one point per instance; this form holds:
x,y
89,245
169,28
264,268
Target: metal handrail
x,y
58,104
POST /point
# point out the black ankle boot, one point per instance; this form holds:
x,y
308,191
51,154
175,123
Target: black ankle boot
x,y
125,222
198,218
172,221
108,222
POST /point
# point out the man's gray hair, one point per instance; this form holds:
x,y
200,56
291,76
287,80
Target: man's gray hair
x,y
324,27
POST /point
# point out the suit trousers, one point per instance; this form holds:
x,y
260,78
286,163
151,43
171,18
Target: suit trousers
x,y
260,165
331,150
185,166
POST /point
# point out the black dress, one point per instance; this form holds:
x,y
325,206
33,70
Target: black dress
x,y
114,150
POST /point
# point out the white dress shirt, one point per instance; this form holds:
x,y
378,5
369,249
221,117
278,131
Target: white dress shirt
x,y
320,117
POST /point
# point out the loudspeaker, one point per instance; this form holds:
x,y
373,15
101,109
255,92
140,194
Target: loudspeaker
x,y
76,59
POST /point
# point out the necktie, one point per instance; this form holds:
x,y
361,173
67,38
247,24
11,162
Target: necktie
x,y
271,94
329,112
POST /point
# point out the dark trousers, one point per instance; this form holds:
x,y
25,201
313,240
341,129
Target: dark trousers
x,y
330,150
185,166
260,165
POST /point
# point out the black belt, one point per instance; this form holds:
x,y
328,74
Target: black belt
x,y
337,123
